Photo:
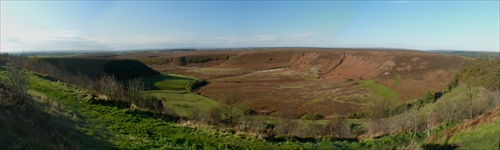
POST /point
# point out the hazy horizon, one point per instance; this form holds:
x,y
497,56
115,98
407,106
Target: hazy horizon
x,y
216,49
124,25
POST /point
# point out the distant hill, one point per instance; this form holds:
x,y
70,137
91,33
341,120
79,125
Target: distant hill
x,y
471,54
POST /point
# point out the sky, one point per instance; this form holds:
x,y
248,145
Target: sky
x,y
121,25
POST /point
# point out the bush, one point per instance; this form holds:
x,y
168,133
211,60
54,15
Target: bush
x,y
196,84
214,116
482,72
311,116
338,127
155,61
203,58
357,115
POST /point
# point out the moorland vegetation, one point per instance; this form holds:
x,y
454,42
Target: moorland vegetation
x,y
45,105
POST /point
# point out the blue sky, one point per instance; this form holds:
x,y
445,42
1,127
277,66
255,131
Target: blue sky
x,y
102,25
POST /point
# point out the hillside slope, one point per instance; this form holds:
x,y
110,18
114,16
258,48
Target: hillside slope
x,y
418,71
36,122
324,81
95,68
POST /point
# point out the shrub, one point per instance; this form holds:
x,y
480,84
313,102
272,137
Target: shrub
x,y
196,84
214,116
203,58
357,115
311,116
338,127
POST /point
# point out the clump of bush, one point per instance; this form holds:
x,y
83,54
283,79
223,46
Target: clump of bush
x,y
311,116
155,61
204,58
196,84
357,115
482,72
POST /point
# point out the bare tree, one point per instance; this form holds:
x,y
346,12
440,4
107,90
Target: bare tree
x,y
470,91
230,107
428,123
382,108
493,98
199,115
338,127
214,115
285,126
112,88
135,88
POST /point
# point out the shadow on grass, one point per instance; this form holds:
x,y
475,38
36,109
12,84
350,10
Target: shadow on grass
x,y
168,91
150,81
26,125
136,112
46,77
439,147
285,138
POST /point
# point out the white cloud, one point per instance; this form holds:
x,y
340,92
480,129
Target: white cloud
x,y
75,40
13,40
45,40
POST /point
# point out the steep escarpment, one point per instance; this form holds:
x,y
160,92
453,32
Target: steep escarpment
x,y
95,68
410,73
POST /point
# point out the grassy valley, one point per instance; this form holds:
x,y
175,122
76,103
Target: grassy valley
x,y
262,99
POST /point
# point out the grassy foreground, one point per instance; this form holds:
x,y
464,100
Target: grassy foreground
x,y
484,136
130,129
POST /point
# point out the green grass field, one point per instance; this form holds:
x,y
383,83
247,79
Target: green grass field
x,y
172,88
380,90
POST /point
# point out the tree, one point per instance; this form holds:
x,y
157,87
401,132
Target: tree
x,y
112,88
493,98
283,126
470,90
135,88
382,108
428,118
230,106
338,127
